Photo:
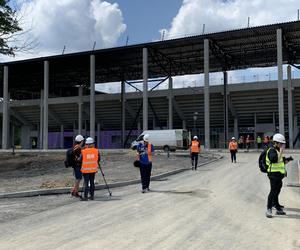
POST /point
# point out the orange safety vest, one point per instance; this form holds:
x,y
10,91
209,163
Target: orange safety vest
x,y
195,147
232,145
89,160
149,153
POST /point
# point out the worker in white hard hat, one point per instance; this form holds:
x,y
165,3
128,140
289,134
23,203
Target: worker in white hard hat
x,y
276,172
233,149
144,155
77,164
90,163
194,152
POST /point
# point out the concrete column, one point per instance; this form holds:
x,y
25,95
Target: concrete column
x,y
225,79
280,82
46,94
183,124
41,120
123,100
74,130
290,106
61,136
92,96
80,90
5,130
236,128
295,127
98,135
153,122
145,89
255,121
170,121
25,137
206,95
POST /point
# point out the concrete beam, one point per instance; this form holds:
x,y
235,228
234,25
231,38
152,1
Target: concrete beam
x,y
161,93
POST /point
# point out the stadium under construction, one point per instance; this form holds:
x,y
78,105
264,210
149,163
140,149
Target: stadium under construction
x,y
49,100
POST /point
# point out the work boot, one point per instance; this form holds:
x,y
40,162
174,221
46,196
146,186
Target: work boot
x,y
144,190
91,198
280,212
193,168
279,206
148,189
84,199
269,213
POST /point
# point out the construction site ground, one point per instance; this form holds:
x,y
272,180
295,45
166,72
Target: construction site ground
x,y
43,170
220,206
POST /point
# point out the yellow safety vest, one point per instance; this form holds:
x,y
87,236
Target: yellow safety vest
x,y
275,167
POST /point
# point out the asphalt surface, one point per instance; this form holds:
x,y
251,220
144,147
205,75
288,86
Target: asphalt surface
x,y
220,206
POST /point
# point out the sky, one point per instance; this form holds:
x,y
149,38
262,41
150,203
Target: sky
x,y
77,24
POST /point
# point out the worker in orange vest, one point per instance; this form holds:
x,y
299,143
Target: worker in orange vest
x,y
90,162
194,151
233,149
144,155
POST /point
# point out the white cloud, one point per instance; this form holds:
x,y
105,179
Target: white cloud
x,y
75,24
220,15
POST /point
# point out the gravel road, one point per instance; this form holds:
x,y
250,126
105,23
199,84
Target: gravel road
x,y
220,206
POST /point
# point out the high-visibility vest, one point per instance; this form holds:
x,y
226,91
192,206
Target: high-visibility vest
x,y
195,147
89,160
232,145
149,152
275,167
258,140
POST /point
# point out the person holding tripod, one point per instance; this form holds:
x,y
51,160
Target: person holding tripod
x,y
144,156
90,157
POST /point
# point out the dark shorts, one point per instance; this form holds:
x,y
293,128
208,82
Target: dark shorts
x,y
77,173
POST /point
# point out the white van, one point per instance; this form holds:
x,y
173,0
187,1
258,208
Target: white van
x,y
169,139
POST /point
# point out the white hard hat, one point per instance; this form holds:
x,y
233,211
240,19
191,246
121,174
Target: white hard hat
x,y
279,138
233,138
89,140
146,137
79,138
195,137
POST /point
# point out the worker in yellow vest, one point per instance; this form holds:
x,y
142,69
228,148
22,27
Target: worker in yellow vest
x,y
194,152
276,172
90,163
233,149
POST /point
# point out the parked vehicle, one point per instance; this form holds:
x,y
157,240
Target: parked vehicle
x,y
168,140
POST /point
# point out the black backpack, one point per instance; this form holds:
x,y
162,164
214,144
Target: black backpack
x,y
70,158
262,161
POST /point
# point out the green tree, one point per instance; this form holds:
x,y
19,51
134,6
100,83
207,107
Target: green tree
x,y
9,26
